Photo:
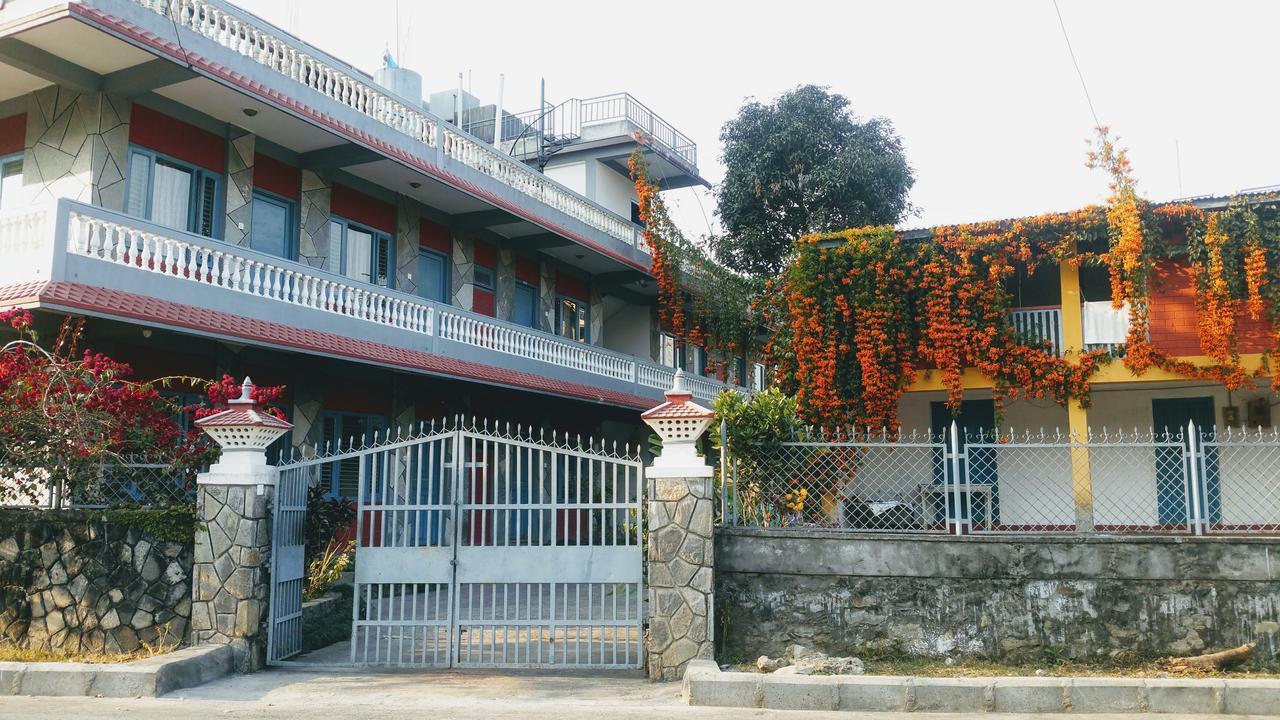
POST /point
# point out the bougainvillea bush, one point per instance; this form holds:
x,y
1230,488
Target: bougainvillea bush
x,y
67,413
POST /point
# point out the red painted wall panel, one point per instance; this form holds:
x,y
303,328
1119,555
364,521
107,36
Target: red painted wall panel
x,y
156,131
435,236
573,287
1174,315
527,271
355,205
275,176
13,134
486,254
483,302
347,395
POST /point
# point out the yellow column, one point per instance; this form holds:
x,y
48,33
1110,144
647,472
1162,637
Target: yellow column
x,y
1077,417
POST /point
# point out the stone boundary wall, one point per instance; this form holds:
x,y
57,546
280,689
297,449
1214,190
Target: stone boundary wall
x,y
327,619
71,581
1014,599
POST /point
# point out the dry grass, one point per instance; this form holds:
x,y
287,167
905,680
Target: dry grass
x,y
163,644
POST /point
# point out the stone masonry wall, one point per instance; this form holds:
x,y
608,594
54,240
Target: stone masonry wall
x,y
71,581
231,571
1006,598
680,574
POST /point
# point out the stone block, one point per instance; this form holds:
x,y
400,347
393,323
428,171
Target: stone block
x,y
800,693
58,679
1030,694
1192,697
11,677
1253,697
1107,695
122,681
951,695
705,685
873,693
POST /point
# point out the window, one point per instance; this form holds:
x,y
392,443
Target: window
x,y
668,353
635,215
339,430
273,225
172,193
526,310
739,370
10,182
758,376
433,276
699,360
359,252
573,319
484,278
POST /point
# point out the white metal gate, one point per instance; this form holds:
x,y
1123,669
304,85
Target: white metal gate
x,y
482,547
289,515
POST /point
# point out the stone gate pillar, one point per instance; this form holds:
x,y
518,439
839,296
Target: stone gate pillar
x,y
233,532
681,553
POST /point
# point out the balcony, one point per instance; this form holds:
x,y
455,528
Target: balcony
x,y
74,243
232,47
1039,326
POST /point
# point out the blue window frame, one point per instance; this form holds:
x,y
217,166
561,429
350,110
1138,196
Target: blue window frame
x,y
10,181
360,252
274,225
173,193
484,278
433,275
339,428
699,360
526,305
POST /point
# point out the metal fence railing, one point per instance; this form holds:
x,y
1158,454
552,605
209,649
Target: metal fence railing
x,y
1191,481
131,483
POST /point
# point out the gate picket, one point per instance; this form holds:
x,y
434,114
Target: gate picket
x,y
484,548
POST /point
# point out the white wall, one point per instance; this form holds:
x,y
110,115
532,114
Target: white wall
x,y
571,175
626,327
613,190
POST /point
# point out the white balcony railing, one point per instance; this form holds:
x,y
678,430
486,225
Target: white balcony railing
x,y
247,36
28,245
1039,325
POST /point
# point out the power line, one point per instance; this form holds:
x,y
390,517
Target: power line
x,y
1072,53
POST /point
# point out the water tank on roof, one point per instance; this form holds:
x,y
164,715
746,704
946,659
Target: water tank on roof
x,y
401,81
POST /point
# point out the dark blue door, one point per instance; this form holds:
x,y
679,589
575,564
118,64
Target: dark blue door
x,y
1172,507
976,418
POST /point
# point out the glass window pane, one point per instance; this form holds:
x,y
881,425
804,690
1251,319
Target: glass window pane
x,y
11,185
171,196
139,185
359,253
382,260
270,232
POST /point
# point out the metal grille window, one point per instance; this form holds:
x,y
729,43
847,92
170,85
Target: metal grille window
x,y
10,182
359,252
173,193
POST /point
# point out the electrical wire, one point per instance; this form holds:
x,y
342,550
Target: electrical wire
x,y
1074,62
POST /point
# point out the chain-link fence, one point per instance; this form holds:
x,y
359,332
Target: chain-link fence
x,y
131,482
1192,482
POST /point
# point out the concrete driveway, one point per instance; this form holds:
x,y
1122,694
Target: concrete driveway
x,y
290,695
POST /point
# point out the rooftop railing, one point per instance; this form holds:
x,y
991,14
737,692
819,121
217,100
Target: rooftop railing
x,y
566,122
267,45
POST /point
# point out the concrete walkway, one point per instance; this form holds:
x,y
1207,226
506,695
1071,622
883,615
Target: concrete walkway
x,y
294,695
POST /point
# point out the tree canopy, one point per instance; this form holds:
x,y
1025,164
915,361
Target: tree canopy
x,y
802,164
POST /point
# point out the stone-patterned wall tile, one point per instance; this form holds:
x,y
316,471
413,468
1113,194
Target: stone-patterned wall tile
x,y
76,147
463,284
239,189
506,290
408,228
547,292
313,235
680,561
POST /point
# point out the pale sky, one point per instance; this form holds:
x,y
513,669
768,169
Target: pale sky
x,y
982,92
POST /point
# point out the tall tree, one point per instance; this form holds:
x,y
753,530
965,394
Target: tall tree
x,y
804,164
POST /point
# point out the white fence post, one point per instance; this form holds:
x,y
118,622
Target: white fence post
x,y
1195,453
955,478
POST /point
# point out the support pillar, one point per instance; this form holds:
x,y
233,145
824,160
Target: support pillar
x,y
681,551
1077,416
231,578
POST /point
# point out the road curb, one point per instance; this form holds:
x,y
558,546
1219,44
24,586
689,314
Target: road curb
x,y
149,677
706,685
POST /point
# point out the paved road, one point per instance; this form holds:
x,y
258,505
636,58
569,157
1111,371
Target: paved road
x,y
290,695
